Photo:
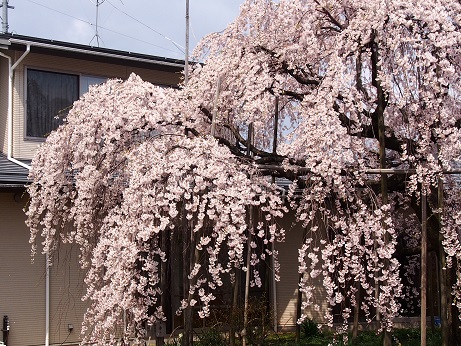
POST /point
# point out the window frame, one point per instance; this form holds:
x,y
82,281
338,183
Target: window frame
x,y
79,76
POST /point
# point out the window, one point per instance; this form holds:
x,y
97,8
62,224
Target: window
x,y
50,95
87,81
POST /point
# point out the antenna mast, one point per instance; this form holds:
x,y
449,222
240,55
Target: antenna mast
x,y
5,8
96,35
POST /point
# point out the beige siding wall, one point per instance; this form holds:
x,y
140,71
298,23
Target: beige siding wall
x,y
22,284
22,288
287,287
66,291
4,83
25,148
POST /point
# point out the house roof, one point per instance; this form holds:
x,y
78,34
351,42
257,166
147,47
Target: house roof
x,y
12,176
84,52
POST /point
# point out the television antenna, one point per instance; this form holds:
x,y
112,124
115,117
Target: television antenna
x,y
96,35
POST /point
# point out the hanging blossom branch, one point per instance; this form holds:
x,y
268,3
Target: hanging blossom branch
x,y
126,191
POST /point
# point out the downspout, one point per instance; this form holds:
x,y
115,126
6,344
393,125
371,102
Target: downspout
x,y
10,106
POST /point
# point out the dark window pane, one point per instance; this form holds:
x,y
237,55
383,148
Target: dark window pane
x,y
49,98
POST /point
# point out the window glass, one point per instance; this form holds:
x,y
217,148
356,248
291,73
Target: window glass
x,y
86,81
50,95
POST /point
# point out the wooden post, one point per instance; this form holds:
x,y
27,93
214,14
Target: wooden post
x,y
274,284
423,267
248,260
387,341
444,287
298,311
159,339
247,281
233,317
187,313
355,327
430,289
300,297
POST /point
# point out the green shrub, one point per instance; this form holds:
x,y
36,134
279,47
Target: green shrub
x,y
211,337
309,328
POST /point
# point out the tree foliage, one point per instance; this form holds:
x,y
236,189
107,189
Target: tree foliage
x,y
134,162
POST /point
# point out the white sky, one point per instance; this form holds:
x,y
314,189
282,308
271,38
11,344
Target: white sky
x,y
141,26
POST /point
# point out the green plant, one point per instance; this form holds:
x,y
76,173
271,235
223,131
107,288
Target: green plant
x,y
259,321
211,337
174,341
309,328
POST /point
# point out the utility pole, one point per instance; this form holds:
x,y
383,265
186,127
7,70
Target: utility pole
x,y
186,58
5,8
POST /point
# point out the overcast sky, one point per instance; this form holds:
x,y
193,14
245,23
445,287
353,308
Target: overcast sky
x,y
155,27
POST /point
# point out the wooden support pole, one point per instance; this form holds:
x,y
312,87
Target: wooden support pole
x,y
355,326
235,299
248,259
430,288
423,267
247,282
444,287
274,284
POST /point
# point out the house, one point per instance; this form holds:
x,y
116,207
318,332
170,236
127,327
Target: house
x,y
39,80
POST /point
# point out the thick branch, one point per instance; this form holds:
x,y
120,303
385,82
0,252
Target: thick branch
x,y
298,74
330,17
